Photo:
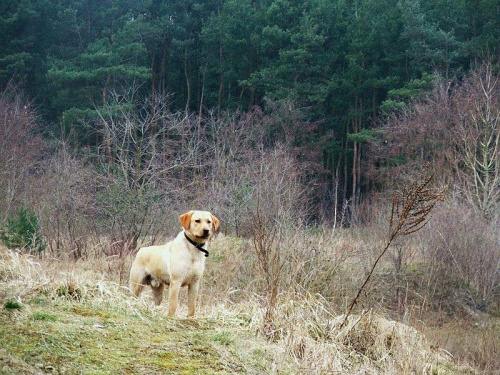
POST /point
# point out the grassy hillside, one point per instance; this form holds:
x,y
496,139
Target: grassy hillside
x,y
63,323
62,336
78,317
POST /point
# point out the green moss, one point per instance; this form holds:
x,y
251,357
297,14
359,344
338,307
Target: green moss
x,y
85,311
223,338
38,315
72,337
445,368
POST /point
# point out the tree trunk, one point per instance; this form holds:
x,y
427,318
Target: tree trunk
x,y
188,82
221,82
354,162
107,140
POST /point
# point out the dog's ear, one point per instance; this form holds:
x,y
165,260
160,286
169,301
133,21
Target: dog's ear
x,y
215,222
185,219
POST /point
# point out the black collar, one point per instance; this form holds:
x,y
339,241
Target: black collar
x,y
199,246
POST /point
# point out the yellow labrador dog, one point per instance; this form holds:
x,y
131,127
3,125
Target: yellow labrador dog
x,y
178,263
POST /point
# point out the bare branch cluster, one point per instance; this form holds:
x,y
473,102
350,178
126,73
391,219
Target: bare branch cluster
x,y
277,211
144,140
476,117
20,148
411,207
264,241
453,134
409,212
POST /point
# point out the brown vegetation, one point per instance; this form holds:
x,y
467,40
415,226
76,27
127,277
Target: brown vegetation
x,y
454,133
20,149
291,274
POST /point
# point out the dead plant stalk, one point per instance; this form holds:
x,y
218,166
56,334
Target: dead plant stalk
x,y
409,213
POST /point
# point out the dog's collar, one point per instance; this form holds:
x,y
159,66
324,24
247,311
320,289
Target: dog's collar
x,y
199,246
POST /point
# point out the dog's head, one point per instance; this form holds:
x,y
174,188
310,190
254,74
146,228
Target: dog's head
x,y
200,225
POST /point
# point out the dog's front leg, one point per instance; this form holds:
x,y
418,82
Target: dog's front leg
x,y
192,296
173,297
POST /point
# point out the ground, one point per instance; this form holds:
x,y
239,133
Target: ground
x,y
75,317
43,335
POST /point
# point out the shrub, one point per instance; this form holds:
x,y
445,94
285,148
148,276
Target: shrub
x,y
22,231
11,305
464,257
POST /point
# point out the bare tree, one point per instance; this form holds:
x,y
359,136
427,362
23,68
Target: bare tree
x,y
67,202
415,140
233,138
476,116
279,202
148,147
454,134
20,147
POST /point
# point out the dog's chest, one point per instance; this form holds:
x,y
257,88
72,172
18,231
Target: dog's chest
x,y
191,271
196,265
187,266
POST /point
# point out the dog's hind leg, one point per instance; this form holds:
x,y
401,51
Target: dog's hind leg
x,y
158,293
136,287
136,282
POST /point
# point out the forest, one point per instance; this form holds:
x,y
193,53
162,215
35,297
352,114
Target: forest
x,y
305,126
334,67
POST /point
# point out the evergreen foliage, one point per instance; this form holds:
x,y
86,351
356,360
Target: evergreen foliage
x,y
342,62
22,231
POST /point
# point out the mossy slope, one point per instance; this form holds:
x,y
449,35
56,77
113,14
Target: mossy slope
x,y
61,336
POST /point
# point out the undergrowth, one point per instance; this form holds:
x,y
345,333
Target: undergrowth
x,y
76,317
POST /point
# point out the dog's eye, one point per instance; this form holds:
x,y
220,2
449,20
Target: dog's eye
x,y
197,221
209,222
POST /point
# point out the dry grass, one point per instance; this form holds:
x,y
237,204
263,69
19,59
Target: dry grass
x,y
79,316
475,341
370,344
71,318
